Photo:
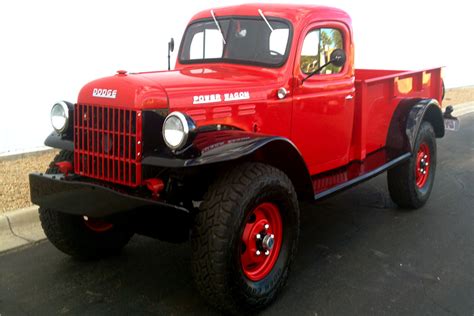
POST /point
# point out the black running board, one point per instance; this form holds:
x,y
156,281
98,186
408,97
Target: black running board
x,y
334,181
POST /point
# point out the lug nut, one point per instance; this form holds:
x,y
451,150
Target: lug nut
x,y
424,172
272,236
258,236
257,252
426,156
86,218
267,226
426,164
267,252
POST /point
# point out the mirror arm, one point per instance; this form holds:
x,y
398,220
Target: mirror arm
x,y
316,71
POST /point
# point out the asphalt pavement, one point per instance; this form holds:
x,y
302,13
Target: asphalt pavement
x,y
358,255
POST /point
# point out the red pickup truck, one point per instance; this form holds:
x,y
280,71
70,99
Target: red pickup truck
x,y
264,109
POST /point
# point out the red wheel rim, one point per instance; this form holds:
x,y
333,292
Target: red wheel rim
x,y
423,164
261,241
97,225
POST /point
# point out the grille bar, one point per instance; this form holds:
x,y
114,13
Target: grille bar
x,y
108,143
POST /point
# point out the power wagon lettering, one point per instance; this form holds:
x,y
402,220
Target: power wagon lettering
x,y
210,98
104,93
213,98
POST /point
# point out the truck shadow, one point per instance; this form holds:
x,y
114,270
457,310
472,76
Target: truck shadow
x,y
153,277
158,275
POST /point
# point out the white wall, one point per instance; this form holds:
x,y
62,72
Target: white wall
x,y
50,48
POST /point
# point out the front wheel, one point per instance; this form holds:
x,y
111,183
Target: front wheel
x,y
244,238
81,236
410,183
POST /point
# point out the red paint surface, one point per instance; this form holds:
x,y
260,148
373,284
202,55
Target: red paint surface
x,y
329,130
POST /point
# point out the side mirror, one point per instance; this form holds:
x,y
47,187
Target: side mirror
x,y
338,57
171,45
170,50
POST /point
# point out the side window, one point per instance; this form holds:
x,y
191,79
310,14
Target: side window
x,y
317,48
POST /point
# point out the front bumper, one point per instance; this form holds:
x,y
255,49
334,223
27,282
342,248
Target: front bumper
x,y
73,196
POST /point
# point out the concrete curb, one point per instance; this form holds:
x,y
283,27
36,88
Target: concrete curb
x,y
19,228
25,154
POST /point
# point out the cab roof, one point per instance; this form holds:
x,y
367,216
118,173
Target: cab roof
x,y
294,13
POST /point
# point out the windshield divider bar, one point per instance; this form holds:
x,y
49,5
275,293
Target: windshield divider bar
x,y
265,19
218,26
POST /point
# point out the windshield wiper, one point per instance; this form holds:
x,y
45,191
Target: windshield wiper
x,y
265,19
218,26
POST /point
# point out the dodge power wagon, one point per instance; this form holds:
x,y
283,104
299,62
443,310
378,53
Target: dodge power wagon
x,y
264,109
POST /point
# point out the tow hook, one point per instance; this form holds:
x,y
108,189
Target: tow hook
x,y
155,186
64,167
451,123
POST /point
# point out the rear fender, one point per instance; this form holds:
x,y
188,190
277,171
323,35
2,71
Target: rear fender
x,y
407,119
219,147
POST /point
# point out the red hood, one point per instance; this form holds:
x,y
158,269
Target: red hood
x,y
178,89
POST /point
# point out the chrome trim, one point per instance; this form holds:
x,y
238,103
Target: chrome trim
x,y
282,93
66,113
188,126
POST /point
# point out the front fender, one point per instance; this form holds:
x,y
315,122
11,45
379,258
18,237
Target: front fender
x,y
59,141
215,147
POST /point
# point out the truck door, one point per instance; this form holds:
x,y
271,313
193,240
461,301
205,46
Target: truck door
x,y
323,108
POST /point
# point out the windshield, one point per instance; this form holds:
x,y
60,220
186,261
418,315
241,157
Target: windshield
x,y
239,40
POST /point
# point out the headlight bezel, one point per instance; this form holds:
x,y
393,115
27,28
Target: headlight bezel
x,y
65,108
189,128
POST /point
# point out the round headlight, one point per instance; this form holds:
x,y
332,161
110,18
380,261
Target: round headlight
x,y
60,116
176,130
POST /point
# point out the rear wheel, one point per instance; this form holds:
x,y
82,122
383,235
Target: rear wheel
x,y
410,183
81,236
244,238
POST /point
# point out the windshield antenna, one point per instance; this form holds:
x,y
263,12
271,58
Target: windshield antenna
x,y
265,19
218,26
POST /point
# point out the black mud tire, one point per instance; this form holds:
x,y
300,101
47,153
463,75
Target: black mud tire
x,y
402,179
69,233
217,232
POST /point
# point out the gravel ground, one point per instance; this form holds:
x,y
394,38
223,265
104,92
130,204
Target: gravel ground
x,y
458,96
14,190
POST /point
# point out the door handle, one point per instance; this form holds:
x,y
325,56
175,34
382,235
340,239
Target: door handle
x,y
349,97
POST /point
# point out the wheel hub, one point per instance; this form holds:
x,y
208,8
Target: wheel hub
x,y
268,242
261,241
423,160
